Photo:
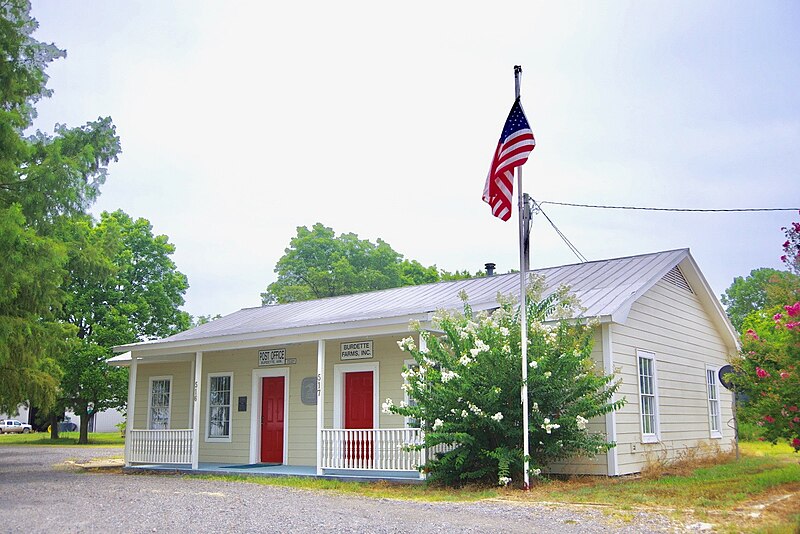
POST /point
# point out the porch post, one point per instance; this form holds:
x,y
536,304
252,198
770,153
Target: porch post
x,y
130,406
320,400
423,345
198,381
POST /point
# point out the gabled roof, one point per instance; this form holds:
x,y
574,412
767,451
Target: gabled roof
x,y
606,288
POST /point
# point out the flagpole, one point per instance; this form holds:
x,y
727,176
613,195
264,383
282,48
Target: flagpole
x,y
523,309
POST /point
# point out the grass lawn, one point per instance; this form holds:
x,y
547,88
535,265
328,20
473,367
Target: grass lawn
x,y
720,491
97,439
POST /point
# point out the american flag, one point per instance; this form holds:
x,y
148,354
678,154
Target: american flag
x,y
515,145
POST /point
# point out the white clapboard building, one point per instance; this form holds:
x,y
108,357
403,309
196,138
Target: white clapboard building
x,y
291,388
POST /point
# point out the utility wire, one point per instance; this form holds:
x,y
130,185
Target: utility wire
x,y
575,205
537,206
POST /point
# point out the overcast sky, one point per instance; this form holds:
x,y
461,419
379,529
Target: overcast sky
x,y
242,120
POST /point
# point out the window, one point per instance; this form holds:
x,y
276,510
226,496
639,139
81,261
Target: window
x,y
159,403
410,422
648,401
220,387
713,403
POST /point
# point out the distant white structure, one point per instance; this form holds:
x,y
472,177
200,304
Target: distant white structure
x,y
105,421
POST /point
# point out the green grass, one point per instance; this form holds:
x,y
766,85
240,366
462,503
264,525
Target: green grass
x,y
378,490
761,470
96,439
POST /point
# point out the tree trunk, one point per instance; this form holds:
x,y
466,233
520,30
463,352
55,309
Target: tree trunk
x,y
83,439
54,426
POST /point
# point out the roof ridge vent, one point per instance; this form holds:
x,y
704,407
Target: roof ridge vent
x,y
676,278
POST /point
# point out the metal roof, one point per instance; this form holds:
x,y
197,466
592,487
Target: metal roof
x,y
603,288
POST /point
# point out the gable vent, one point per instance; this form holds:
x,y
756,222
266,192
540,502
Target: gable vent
x,y
675,277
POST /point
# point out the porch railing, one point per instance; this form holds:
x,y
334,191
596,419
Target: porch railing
x,y
160,446
376,449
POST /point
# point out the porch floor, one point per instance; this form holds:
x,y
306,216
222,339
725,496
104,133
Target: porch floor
x,y
207,468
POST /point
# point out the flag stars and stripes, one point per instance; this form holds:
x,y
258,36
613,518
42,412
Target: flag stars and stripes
x,y
515,145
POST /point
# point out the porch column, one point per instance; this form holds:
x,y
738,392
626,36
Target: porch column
x,y
320,400
130,406
198,381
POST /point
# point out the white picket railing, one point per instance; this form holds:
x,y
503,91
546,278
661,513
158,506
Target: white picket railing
x,y
160,446
377,449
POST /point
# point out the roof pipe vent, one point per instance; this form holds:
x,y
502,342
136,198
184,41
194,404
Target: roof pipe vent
x,y
489,269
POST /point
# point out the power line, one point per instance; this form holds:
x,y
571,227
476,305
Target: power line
x,y
642,208
573,248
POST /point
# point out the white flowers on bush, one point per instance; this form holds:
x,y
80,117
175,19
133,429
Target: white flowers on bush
x,y
437,424
548,374
504,481
387,406
474,409
534,364
406,344
464,413
465,360
504,331
536,472
548,426
447,376
498,416
581,421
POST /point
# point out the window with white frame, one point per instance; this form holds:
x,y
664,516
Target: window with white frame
x,y
159,402
648,400
714,418
410,422
220,396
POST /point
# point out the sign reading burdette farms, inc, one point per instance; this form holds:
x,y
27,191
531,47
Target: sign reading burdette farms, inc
x,y
357,350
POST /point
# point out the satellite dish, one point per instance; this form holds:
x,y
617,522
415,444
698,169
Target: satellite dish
x,y
724,371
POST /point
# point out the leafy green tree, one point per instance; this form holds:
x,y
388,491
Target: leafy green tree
x,y
769,363
763,288
466,384
318,264
30,295
122,287
42,179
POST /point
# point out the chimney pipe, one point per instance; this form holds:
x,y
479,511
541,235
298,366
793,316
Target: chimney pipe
x,y
489,269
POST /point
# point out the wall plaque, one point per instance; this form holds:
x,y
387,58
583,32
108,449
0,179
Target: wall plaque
x,y
357,350
308,391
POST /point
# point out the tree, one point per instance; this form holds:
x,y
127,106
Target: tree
x,y
763,288
42,179
318,264
769,363
122,287
466,383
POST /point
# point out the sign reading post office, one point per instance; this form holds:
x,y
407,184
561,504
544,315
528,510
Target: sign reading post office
x,y
357,350
272,357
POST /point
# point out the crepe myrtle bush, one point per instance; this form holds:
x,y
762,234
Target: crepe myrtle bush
x,y
465,389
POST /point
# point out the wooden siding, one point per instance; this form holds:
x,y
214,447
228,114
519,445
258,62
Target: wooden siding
x,y
180,400
671,323
598,464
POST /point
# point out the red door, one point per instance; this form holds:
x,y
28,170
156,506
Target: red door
x,y
358,410
272,419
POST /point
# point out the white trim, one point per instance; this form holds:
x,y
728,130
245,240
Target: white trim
x,y
320,400
301,334
655,436
150,400
196,394
206,427
256,394
339,371
713,434
129,417
612,463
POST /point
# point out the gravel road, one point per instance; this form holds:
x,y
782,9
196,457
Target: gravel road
x,y
39,494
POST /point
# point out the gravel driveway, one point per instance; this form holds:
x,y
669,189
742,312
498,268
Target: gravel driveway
x,y
38,494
